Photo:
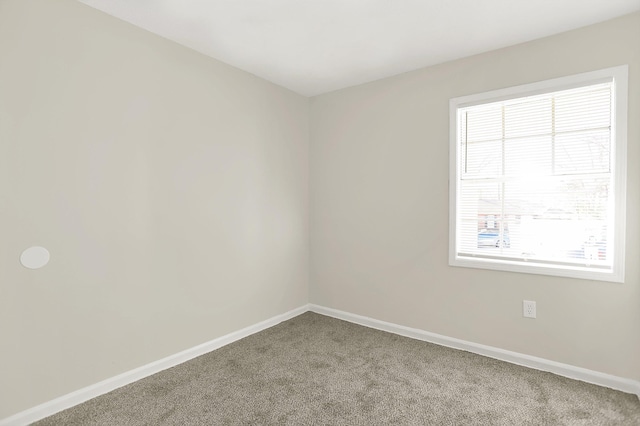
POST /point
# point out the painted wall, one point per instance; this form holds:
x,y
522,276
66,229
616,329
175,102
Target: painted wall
x,y
380,208
170,189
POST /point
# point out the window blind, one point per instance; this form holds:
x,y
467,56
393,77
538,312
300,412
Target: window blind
x,y
535,181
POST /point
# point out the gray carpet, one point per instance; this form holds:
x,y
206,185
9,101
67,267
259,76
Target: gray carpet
x,y
314,369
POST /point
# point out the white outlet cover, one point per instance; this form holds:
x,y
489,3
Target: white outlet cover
x,y
35,257
529,309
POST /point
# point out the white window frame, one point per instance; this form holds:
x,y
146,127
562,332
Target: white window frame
x,y
619,75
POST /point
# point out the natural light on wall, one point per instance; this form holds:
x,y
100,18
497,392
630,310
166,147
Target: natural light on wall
x,y
538,177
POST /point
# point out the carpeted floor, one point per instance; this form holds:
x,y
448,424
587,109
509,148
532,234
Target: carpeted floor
x,y
317,370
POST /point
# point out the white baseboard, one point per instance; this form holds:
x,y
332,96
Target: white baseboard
x,y
77,397
566,370
74,398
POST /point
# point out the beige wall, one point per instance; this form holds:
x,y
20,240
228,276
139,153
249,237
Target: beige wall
x,y
379,210
170,189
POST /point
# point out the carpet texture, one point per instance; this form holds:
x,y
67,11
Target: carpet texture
x,y
314,369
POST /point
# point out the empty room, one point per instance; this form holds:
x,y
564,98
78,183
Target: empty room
x,y
319,212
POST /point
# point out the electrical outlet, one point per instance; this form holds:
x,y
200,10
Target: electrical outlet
x,y
529,308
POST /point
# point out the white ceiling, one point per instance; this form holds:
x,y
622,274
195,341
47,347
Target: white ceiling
x,y
317,46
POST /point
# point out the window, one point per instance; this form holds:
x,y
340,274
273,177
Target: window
x,y
538,176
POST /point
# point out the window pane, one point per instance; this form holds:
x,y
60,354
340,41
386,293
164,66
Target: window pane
x,y
529,156
484,123
480,213
483,159
583,152
528,117
585,108
559,219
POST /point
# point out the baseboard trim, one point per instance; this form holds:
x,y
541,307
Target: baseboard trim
x,y
566,370
77,397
